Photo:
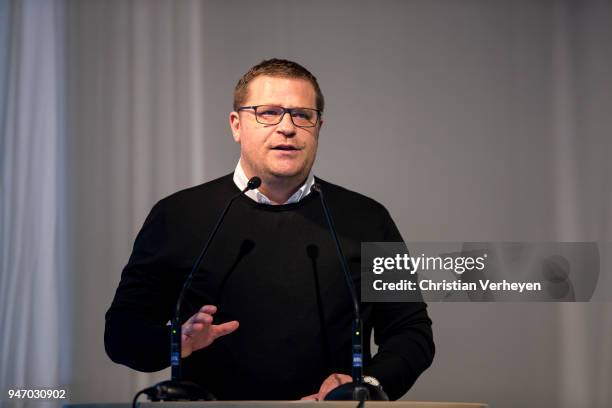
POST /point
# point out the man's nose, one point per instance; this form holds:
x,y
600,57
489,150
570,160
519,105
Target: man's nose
x,y
286,126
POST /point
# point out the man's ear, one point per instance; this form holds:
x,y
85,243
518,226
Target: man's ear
x,y
234,122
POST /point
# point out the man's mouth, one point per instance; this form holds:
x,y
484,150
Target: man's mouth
x,y
285,147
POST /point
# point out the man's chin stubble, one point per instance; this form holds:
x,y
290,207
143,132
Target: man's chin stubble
x,y
287,176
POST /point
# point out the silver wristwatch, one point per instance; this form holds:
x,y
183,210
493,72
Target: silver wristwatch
x,y
368,379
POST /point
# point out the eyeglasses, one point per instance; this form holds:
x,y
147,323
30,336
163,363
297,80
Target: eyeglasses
x,y
272,115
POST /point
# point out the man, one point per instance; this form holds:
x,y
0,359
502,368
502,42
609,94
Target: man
x,y
268,314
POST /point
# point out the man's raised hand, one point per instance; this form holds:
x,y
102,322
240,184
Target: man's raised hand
x,y
199,332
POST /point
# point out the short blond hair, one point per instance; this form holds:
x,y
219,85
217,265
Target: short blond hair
x,y
276,68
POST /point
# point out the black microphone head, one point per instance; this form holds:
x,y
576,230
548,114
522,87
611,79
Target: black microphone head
x,y
315,187
253,183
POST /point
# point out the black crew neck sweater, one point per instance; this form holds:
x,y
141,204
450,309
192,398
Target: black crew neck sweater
x,y
275,270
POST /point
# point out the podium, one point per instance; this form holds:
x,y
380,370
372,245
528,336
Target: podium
x,y
285,404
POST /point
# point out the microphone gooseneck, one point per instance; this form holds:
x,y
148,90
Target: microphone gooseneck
x,y
175,353
347,275
176,389
358,390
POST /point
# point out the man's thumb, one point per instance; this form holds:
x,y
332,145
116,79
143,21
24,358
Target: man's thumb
x,y
225,328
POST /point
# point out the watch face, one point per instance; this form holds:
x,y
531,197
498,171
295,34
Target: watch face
x,y
371,380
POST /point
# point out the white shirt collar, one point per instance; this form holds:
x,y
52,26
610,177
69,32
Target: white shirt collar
x,y
241,181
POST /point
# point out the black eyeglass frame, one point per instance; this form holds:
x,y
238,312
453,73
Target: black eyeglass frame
x,y
285,110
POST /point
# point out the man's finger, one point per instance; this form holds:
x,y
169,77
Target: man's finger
x,y
225,328
210,309
313,397
202,318
190,329
329,384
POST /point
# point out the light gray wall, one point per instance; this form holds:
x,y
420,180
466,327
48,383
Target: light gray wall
x,y
460,116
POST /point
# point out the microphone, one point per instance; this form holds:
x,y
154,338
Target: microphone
x,y
175,389
357,390
254,182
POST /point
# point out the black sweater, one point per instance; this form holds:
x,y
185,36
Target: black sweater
x,y
275,270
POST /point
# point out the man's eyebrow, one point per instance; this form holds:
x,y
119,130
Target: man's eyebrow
x,y
286,107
